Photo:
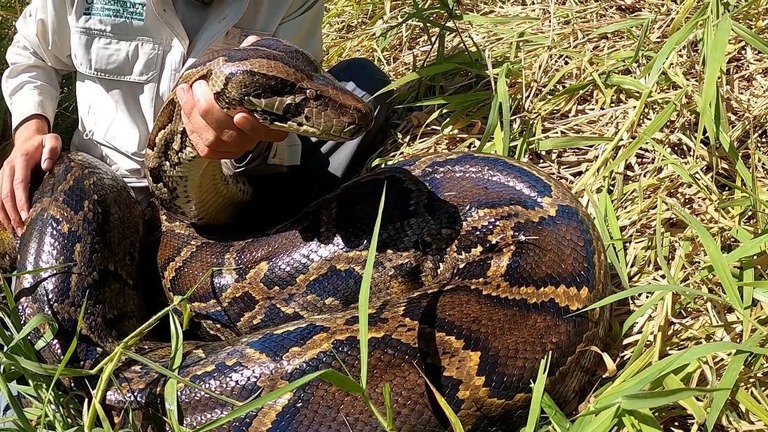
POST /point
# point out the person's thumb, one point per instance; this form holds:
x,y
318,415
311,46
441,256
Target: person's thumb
x,y
51,151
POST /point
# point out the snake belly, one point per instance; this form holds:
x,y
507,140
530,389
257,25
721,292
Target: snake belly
x,y
481,263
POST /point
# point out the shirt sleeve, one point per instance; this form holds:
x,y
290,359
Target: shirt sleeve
x,y
37,57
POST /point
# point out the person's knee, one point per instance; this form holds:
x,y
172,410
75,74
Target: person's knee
x,y
365,75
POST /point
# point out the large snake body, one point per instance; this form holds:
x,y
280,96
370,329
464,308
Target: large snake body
x,y
481,264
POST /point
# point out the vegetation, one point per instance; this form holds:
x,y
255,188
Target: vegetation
x,y
654,113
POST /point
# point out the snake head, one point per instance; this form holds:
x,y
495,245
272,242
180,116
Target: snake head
x,y
328,110
320,108
286,89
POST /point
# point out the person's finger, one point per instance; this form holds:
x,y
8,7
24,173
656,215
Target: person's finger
x,y
51,151
256,130
9,198
198,129
194,125
186,101
21,175
249,40
207,149
6,221
210,111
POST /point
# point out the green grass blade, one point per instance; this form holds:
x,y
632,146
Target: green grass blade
x,y
534,411
171,385
32,366
671,382
761,293
173,376
714,59
654,399
365,293
752,405
646,289
641,41
641,311
559,420
640,421
559,143
714,252
666,365
673,42
728,381
387,394
611,230
426,72
656,124
502,131
453,419
15,406
69,353
459,100
602,422
32,325
626,82
492,123
752,38
682,12
750,248
622,25
662,246
105,420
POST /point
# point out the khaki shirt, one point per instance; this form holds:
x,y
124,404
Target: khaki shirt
x,y
128,56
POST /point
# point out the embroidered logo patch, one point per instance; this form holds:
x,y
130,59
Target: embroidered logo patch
x,y
126,10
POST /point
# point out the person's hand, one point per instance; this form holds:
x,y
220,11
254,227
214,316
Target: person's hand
x,y
32,145
214,133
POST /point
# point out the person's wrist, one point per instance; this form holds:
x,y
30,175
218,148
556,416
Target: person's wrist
x,y
33,126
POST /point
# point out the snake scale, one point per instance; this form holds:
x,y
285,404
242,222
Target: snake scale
x,y
481,263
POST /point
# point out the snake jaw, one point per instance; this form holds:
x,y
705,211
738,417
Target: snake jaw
x,y
347,124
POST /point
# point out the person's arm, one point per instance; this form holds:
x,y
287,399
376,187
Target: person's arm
x,y
37,57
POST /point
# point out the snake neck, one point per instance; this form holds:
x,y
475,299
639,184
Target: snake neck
x,y
197,190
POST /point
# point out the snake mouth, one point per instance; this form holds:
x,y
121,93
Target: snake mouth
x,y
344,128
347,134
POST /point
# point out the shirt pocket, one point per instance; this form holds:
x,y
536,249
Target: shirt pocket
x,y
109,56
117,87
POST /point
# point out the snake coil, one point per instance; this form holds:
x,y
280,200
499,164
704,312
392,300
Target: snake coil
x,y
481,263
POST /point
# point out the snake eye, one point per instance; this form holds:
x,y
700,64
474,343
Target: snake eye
x,y
311,94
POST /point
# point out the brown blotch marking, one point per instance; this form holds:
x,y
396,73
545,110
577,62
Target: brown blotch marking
x,y
173,273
